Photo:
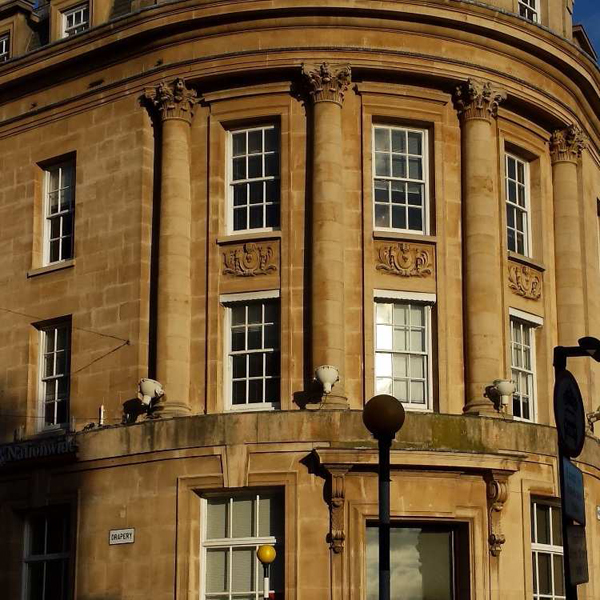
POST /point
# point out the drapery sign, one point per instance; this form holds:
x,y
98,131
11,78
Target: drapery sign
x,y
121,536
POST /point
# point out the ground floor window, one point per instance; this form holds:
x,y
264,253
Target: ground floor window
x,y
234,528
429,561
47,553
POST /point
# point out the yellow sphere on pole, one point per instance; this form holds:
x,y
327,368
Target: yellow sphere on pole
x,y
266,554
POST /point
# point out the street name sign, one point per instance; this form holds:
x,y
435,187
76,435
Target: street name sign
x,y
578,564
573,492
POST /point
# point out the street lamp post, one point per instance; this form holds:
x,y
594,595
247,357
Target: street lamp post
x,y
588,346
383,417
266,554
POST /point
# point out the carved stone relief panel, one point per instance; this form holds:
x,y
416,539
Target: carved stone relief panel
x,y
252,259
525,281
405,259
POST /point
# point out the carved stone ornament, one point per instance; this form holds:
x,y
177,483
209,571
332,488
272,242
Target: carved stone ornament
x,y
524,281
327,83
337,501
477,99
405,260
173,100
497,495
249,260
567,144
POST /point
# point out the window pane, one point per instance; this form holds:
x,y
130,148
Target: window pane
x,y
272,165
417,392
37,533
382,216
216,518
399,141
255,364
56,535
383,365
382,164
559,582
238,341
255,168
271,139
255,141
556,527
240,219
239,143
35,581
216,571
54,580
270,516
381,191
242,572
238,392
398,166
256,192
384,313
384,386
415,170
243,518
382,139
398,217
400,365
384,337
255,391
543,523
240,194
272,387
544,573
254,337
414,143
399,192
239,168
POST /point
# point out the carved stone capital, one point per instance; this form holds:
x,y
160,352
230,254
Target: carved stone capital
x,y
566,145
337,501
524,281
404,259
497,496
172,100
477,99
327,83
250,260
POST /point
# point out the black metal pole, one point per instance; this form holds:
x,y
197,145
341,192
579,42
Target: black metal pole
x,y
384,518
560,364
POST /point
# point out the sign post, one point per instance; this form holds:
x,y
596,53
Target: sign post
x,y
569,414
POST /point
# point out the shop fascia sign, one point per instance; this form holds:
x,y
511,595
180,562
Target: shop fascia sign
x,y
33,450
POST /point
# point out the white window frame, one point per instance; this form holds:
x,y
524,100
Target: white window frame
x,y
29,559
428,301
84,9
549,549
4,47
529,10
532,322
61,214
515,207
425,180
227,301
234,542
231,183
43,379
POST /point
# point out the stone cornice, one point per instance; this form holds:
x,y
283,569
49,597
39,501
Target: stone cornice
x,y
476,99
566,145
326,83
172,100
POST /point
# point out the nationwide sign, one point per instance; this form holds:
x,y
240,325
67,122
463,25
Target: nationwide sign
x,y
20,452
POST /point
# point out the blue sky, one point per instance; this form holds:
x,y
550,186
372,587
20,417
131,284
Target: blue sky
x,y
587,12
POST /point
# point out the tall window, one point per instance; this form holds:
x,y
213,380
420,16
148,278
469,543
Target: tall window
x,y
522,347
254,358
4,47
55,373
529,10
254,180
76,20
400,179
428,561
47,551
402,352
234,528
517,205
60,210
547,552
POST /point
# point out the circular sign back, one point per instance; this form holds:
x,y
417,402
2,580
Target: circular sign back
x,y
569,414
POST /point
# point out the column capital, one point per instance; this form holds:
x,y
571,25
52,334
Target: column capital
x,y
476,99
566,145
172,100
327,83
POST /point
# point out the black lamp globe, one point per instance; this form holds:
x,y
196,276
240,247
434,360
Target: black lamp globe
x,y
383,416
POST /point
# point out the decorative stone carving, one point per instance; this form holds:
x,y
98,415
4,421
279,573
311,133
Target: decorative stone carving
x,y
477,99
172,100
524,281
337,501
497,495
405,260
250,260
567,144
327,83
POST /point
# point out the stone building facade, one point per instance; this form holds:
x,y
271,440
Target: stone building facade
x,y
225,196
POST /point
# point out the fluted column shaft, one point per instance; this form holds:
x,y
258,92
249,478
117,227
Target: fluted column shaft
x,y
477,104
327,86
175,104
565,150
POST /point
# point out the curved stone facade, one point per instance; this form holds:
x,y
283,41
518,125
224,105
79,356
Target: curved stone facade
x,y
226,196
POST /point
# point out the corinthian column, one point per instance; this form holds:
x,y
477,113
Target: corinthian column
x,y
327,85
477,103
174,103
565,150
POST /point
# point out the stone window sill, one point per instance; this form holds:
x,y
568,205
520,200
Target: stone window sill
x,y
65,264
526,261
401,236
248,236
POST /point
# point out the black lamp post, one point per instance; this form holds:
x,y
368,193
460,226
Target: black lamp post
x,y
383,417
588,346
